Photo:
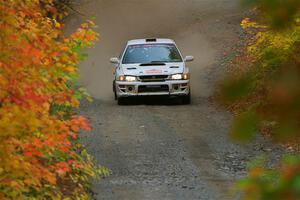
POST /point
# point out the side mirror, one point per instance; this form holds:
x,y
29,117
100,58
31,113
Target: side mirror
x,y
115,60
189,58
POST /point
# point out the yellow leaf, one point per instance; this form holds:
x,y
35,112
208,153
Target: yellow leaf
x,y
70,69
57,25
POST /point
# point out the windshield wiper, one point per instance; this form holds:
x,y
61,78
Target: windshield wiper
x,y
157,61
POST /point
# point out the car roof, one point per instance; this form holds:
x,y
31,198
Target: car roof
x,y
150,41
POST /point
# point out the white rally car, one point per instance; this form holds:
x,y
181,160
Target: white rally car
x,y
151,67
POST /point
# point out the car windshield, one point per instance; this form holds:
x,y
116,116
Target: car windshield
x,y
151,53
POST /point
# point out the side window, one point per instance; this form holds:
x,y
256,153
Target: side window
x,y
122,52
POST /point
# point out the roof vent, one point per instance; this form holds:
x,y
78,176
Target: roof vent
x,y
151,40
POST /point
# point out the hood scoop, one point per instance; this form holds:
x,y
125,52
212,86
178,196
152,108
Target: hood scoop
x,y
131,68
153,64
174,67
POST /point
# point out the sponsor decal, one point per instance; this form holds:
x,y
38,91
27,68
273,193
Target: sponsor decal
x,y
149,45
153,71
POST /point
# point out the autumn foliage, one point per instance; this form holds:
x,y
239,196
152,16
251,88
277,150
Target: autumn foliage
x,y
265,96
40,157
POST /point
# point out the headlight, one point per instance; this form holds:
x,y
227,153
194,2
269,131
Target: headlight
x,y
127,78
176,77
180,77
130,78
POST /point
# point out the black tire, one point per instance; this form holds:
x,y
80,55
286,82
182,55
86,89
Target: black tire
x,y
186,100
122,101
114,90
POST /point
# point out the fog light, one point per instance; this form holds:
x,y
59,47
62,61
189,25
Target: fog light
x,y
176,87
130,89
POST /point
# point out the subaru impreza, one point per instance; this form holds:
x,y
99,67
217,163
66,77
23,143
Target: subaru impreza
x,y
151,67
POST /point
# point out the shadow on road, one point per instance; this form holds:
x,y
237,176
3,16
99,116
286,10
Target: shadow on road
x,y
153,100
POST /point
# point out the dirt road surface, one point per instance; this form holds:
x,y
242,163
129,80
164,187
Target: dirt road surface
x,y
155,149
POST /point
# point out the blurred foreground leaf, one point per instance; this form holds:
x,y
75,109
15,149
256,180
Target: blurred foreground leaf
x,y
265,183
236,87
244,126
279,13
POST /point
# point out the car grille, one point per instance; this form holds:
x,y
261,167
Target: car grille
x,y
153,78
153,88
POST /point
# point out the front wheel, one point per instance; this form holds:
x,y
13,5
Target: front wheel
x,y
114,90
186,99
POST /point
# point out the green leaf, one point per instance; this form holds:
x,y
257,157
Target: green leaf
x,y
244,126
235,88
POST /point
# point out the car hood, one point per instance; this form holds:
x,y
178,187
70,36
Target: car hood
x,y
167,69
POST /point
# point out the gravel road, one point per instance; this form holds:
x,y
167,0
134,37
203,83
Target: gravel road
x,y
155,148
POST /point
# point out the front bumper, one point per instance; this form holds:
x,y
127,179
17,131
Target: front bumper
x,y
165,88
